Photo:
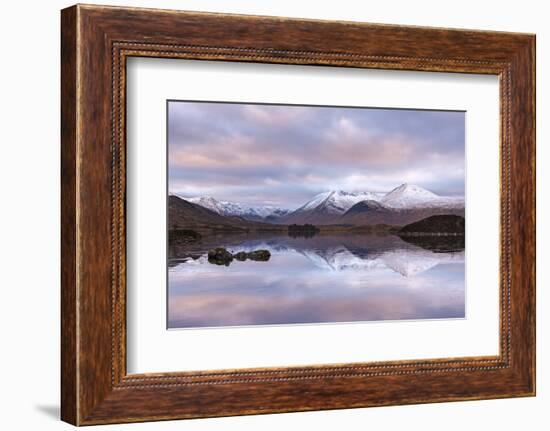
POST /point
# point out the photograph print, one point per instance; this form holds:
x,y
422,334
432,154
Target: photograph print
x,y
295,214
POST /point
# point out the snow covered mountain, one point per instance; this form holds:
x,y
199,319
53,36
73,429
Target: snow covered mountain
x,y
338,201
403,204
240,210
328,206
411,196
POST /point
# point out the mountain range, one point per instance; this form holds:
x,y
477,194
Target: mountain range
x,y
240,210
404,204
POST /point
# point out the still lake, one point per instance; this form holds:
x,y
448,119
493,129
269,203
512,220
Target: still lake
x,y
323,279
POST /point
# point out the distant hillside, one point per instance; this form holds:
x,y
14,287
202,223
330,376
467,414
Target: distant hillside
x,y
371,213
437,224
268,213
186,215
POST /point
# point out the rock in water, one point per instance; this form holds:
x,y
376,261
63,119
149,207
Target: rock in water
x,y
220,256
261,255
241,255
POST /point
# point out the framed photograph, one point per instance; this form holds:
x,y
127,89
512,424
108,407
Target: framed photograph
x,y
263,214
266,227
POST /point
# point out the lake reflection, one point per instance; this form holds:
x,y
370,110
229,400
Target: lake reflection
x,y
326,278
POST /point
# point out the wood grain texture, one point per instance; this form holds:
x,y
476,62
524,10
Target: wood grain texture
x,y
69,397
96,41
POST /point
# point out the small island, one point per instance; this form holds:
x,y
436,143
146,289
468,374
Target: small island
x,y
303,230
439,225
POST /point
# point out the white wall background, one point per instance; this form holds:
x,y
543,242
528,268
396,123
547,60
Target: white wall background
x,y
29,215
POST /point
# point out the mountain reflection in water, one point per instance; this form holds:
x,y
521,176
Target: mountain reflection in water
x,y
319,279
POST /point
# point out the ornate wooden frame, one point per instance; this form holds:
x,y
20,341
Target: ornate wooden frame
x,y
95,42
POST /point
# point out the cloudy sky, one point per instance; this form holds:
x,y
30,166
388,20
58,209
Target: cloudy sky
x,y
284,155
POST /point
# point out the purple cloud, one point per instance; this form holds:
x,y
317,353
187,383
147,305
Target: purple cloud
x,y
285,154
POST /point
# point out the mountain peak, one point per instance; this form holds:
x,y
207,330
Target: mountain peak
x,y
337,201
407,189
407,195
411,188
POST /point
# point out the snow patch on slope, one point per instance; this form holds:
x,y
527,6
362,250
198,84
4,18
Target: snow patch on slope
x,y
236,209
411,196
338,201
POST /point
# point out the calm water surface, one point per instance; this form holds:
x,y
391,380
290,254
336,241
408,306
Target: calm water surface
x,y
327,278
